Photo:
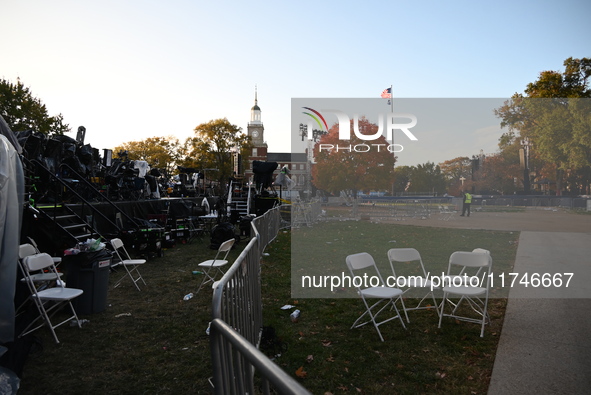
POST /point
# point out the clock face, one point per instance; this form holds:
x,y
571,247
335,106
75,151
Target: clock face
x,y
255,133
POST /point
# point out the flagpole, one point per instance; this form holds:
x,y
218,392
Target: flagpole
x,y
392,111
393,148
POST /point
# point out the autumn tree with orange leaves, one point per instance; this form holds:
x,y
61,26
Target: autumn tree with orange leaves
x,y
357,165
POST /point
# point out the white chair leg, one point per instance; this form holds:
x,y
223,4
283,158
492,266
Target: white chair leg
x,y
398,312
403,308
207,278
442,308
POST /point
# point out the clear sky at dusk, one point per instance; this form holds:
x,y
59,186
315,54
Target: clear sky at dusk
x,y
128,70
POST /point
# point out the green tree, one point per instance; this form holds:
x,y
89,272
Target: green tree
x,y
454,170
353,169
212,148
402,177
554,115
427,177
497,175
160,152
22,111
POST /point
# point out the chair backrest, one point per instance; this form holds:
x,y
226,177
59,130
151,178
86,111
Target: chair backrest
x,y
470,259
118,247
36,262
226,245
360,261
34,244
363,260
116,243
405,255
25,250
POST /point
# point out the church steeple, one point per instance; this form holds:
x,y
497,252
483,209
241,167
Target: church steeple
x,y
255,111
255,126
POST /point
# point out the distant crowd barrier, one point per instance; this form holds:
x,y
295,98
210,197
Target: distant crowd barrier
x,y
532,201
483,200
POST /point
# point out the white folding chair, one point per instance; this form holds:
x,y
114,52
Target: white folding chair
x,y
465,272
41,279
414,281
56,259
131,266
26,250
471,287
213,267
386,296
49,300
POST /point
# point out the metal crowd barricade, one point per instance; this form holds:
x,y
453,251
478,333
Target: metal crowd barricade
x,y
300,215
285,214
398,209
238,322
267,226
239,358
305,214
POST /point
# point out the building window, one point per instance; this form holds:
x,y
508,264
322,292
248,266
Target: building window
x,y
254,152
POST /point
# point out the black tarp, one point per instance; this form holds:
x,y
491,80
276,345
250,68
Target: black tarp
x,y
263,173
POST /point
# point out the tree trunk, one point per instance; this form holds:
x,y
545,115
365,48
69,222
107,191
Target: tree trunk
x,y
559,176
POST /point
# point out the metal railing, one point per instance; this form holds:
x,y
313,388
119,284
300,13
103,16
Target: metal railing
x,y
243,359
237,322
56,192
266,227
304,213
84,204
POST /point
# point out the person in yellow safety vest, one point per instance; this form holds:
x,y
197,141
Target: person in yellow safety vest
x,y
467,202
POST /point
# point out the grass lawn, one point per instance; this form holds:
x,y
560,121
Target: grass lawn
x,y
154,342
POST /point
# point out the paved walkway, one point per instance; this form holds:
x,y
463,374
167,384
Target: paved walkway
x,y
545,343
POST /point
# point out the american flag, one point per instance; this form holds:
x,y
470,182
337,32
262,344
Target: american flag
x,y
387,93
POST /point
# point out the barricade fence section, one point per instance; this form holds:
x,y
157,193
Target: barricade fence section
x,y
530,202
237,321
399,208
267,226
249,367
424,206
305,214
285,214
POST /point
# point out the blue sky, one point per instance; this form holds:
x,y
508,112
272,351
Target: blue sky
x,y
129,70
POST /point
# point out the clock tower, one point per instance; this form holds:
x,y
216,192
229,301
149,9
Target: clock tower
x,y
256,131
255,126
